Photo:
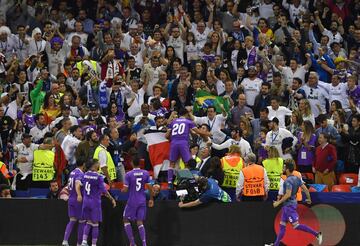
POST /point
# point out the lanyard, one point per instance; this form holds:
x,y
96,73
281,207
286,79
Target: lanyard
x,y
37,48
3,47
211,125
273,137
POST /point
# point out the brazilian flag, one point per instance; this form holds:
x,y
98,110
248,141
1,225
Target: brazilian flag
x,y
204,99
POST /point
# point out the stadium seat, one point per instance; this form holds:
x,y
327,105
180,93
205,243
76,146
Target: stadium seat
x,y
348,178
21,193
318,188
355,189
341,188
308,177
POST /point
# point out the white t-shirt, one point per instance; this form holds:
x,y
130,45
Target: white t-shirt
x,y
339,93
69,146
35,47
28,153
178,44
216,124
332,38
251,89
280,113
244,145
317,99
200,38
290,75
275,139
135,108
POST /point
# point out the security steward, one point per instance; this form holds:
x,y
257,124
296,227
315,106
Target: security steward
x,y
232,164
43,170
283,178
274,168
253,182
107,166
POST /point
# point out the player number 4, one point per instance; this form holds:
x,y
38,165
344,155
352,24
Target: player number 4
x,y
178,129
87,188
138,184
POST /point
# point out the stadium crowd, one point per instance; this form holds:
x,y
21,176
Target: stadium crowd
x,y
90,78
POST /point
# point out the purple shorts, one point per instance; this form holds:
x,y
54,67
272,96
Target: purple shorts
x,y
75,209
289,214
92,212
180,149
133,213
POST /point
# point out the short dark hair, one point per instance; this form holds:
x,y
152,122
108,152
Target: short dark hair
x,y
135,160
267,84
276,98
182,111
298,80
326,136
80,161
74,128
276,74
207,126
290,165
213,107
265,109
91,163
321,118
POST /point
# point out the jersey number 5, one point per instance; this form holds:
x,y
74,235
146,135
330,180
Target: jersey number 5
x,y
87,188
138,184
178,129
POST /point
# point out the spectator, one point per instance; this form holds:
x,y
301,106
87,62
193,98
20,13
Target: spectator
x,y
305,147
240,110
328,129
280,112
54,190
262,100
215,170
325,162
5,191
351,138
251,176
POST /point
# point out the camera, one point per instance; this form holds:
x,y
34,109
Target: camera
x,y
186,186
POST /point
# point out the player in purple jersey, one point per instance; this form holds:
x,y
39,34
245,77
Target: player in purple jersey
x,y
135,210
75,202
289,214
94,187
179,134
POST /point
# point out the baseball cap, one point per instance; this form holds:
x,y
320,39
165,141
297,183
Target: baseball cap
x,y
4,94
93,106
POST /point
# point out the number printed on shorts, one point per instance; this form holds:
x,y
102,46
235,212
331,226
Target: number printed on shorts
x,y
138,184
87,188
178,129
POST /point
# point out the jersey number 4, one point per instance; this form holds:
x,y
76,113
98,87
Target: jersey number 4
x,y
178,129
87,188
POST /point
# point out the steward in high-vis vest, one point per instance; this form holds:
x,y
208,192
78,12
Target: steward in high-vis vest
x,y
43,164
274,169
107,166
253,183
232,164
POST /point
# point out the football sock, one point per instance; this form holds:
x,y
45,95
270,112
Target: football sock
x,y
95,233
142,234
80,231
87,229
307,229
68,229
129,233
280,235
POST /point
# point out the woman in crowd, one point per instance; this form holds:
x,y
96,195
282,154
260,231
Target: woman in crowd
x,y
306,147
296,122
49,108
305,110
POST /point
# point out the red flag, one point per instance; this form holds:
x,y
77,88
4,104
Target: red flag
x,y
159,148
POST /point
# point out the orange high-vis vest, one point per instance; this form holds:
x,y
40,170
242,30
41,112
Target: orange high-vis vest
x,y
299,192
4,170
253,180
232,165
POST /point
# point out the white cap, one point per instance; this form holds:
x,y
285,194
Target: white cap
x,y
4,95
36,31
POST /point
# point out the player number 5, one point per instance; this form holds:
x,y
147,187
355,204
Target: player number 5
x,y
87,188
138,184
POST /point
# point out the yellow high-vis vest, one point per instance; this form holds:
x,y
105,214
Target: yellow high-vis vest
x,y
109,162
232,165
43,165
274,169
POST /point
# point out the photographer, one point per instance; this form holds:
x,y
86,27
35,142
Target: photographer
x,y
209,191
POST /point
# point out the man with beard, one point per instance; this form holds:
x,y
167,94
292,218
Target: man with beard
x,y
70,143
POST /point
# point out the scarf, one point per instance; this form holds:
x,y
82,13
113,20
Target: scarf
x,y
103,99
77,52
251,60
113,68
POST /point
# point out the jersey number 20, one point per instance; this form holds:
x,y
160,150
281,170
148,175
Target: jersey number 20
x,y
178,129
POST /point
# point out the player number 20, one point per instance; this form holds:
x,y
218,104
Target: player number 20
x,y
138,184
178,129
87,188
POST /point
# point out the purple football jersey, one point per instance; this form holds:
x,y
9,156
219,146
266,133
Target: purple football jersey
x,y
180,129
135,180
94,186
75,175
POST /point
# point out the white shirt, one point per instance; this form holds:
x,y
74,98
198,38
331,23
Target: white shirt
x,y
317,99
38,134
200,38
275,139
251,89
244,145
28,153
215,125
220,87
73,120
56,59
135,108
290,75
332,38
69,146
35,47
11,110
339,93
102,157
280,113
83,37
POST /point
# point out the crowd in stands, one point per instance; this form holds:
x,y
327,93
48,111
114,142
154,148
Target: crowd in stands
x,y
90,77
